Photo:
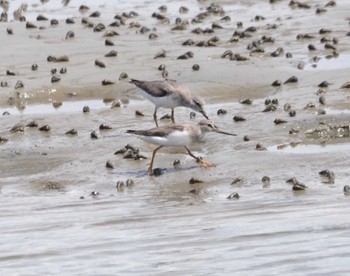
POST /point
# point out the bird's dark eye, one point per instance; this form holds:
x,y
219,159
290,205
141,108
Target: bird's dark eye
x,y
210,125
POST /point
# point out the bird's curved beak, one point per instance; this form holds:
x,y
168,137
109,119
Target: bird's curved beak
x,y
204,114
226,133
215,129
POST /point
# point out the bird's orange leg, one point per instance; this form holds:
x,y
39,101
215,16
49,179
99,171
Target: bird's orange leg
x,y
150,168
202,162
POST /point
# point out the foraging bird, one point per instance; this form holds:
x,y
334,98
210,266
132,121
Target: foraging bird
x,y
177,135
169,94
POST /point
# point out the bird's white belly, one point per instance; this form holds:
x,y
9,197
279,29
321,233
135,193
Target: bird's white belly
x,y
175,139
165,101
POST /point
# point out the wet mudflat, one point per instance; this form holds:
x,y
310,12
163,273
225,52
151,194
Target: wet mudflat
x,y
62,209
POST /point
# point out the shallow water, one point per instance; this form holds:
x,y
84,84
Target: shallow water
x,y
53,225
341,62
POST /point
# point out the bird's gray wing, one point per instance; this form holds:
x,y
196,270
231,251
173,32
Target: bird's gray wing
x,y
162,131
154,88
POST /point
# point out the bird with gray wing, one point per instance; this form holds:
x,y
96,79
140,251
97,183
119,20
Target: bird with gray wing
x,y
177,135
169,94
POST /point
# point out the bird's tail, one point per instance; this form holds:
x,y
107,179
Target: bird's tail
x,y
136,132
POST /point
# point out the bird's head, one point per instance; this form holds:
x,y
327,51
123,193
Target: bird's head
x,y
198,105
209,126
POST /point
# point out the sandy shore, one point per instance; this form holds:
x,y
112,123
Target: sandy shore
x,y
220,81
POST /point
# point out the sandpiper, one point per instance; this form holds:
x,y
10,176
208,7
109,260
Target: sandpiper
x,y
177,135
169,94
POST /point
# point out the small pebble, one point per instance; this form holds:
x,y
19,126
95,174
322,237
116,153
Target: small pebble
x,y
322,100
70,21
195,67
237,181
233,196
279,121
139,113
165,73
287,107
100,64
246,101
324,84
19,84
107,82
299,187
30,25
157,172
238,118
194,191
186,55
32,124
95,14
176,163
274,101
260,147
266,180
17,128
112,53
120,185
54,22
55,78
161,67
195,180
221,112
109,42
93,135
129,182
292,180
109,165
276,83
69,35
292,113
3,139
328,175
104,127
123,75
45,128
57,104
292,79
293,131
73,131
269,108
116,104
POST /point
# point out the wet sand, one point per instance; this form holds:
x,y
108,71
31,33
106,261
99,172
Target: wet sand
x,y
54,224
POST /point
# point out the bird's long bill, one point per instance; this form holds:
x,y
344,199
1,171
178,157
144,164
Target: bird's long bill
x,y
226,133
204,114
